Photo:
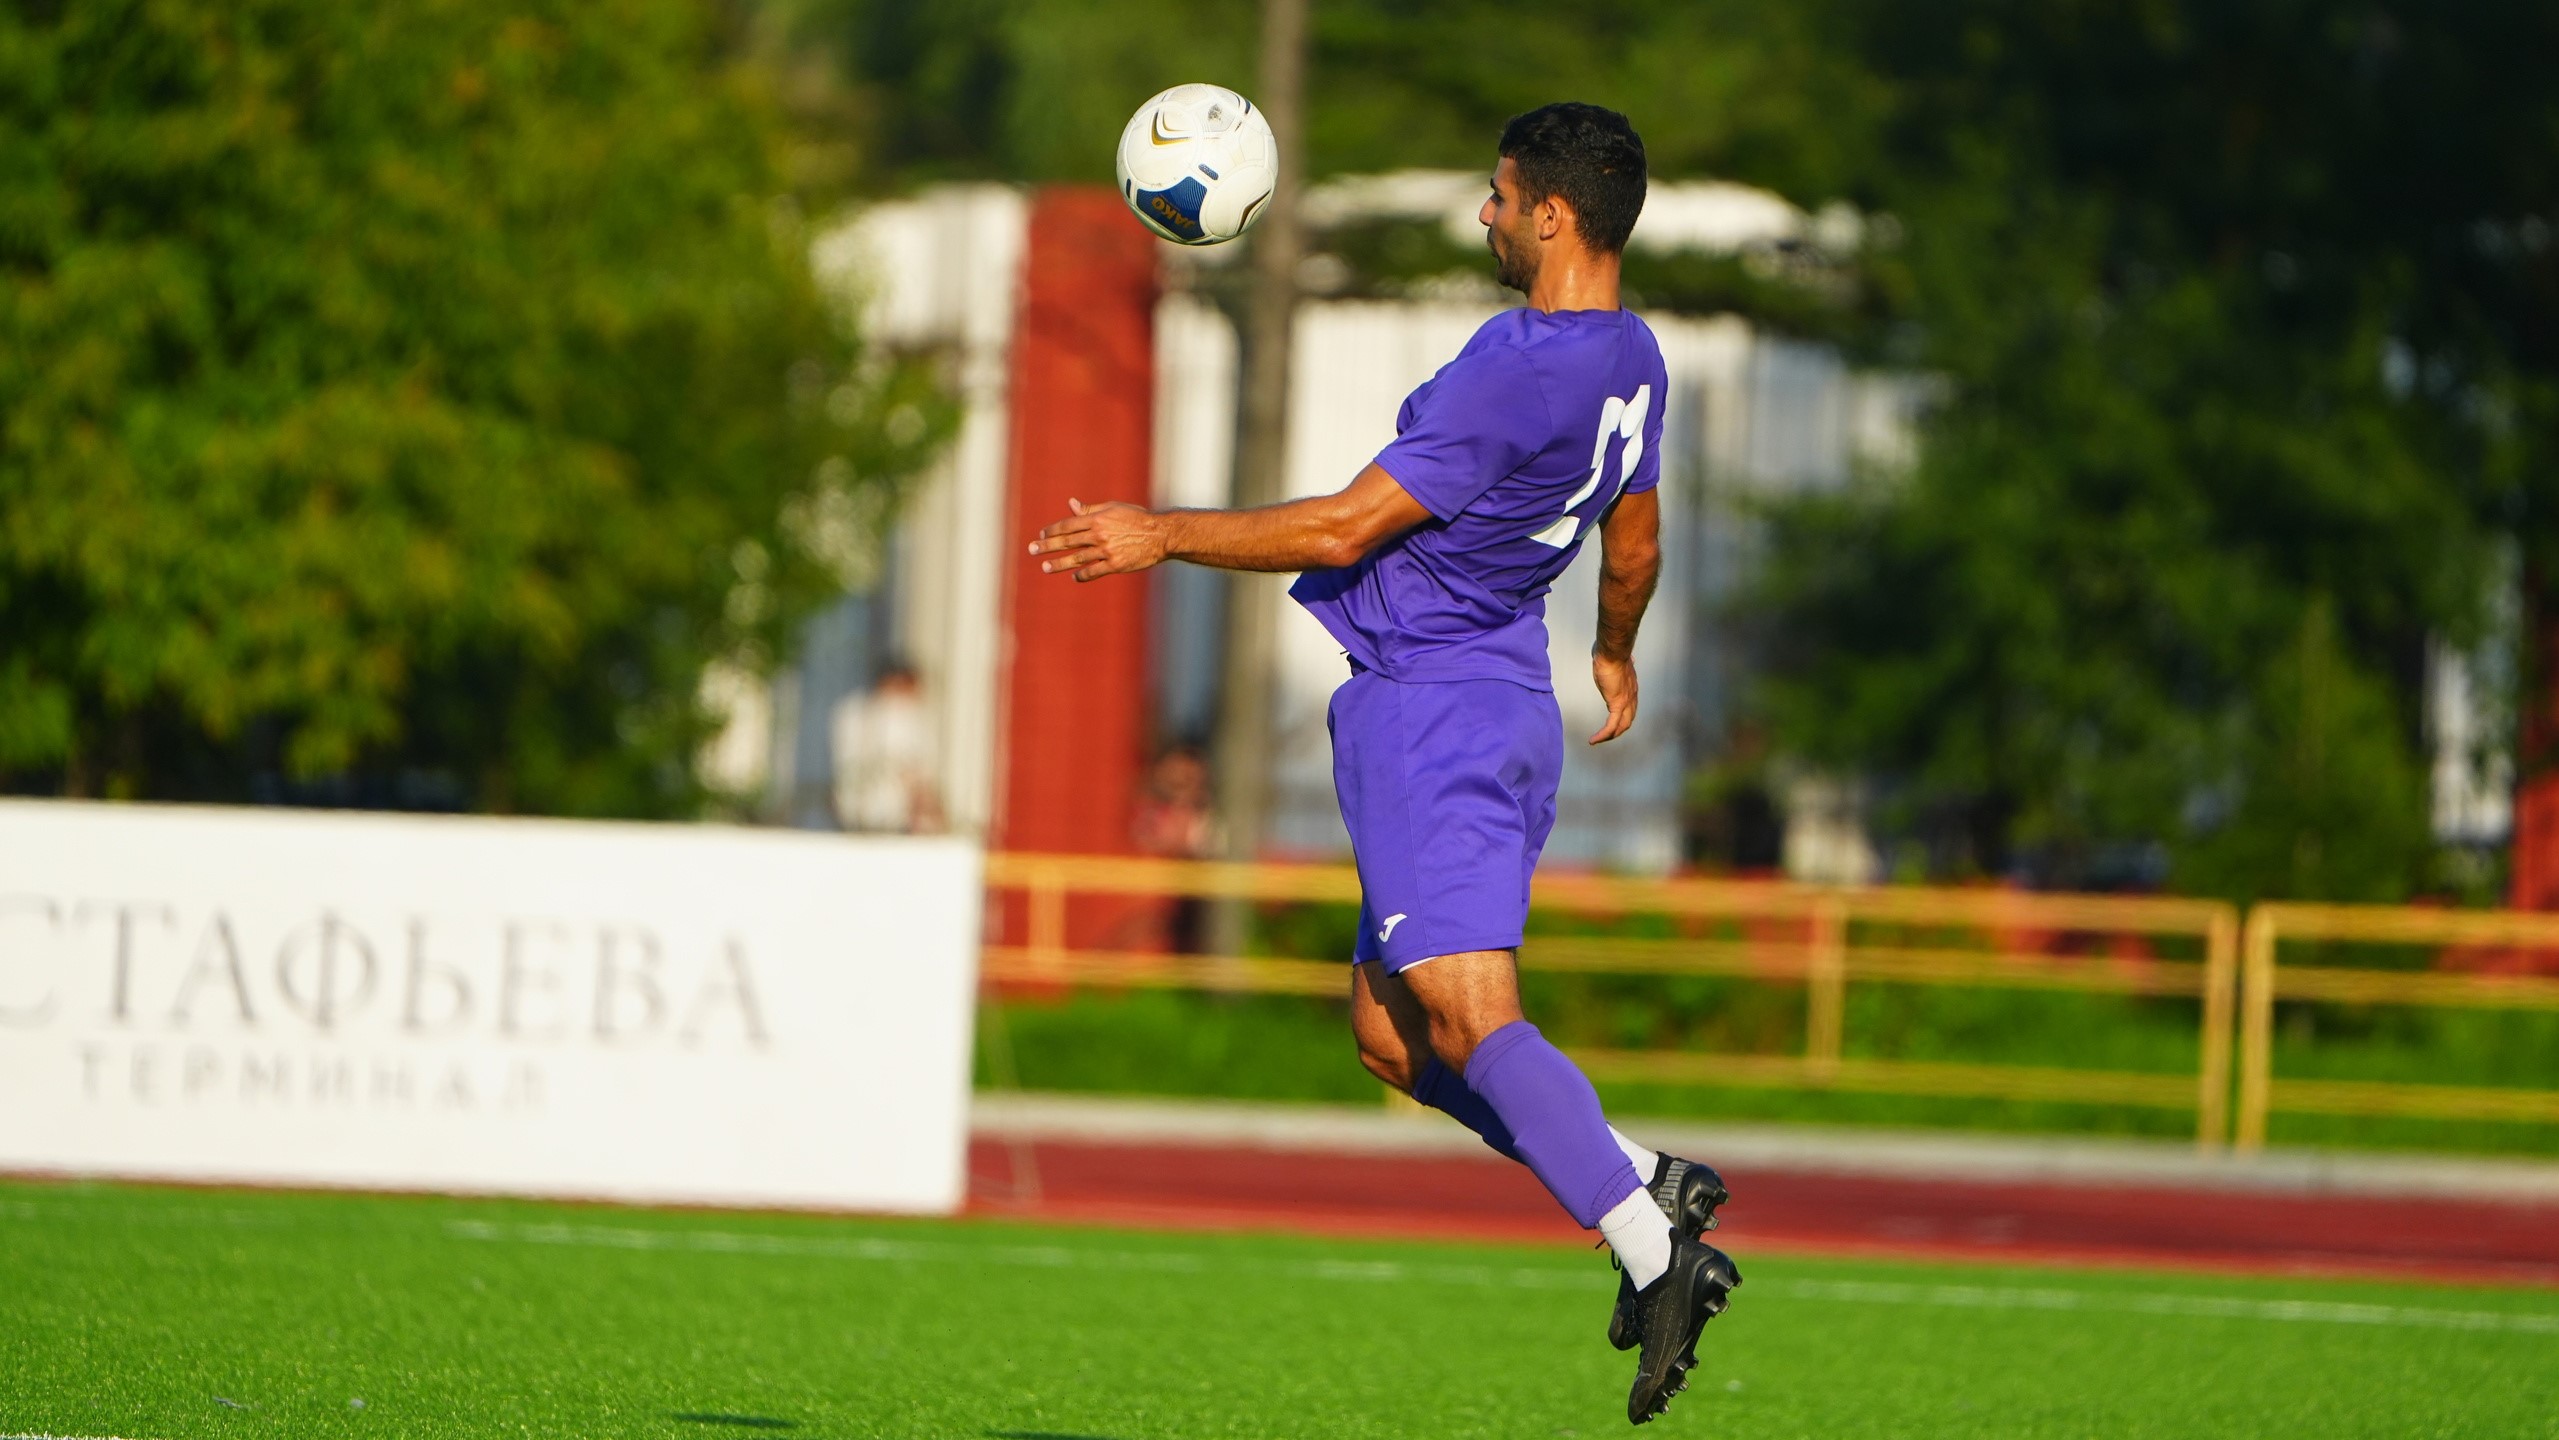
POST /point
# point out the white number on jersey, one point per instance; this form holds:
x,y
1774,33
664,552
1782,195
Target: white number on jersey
x,y
1618,419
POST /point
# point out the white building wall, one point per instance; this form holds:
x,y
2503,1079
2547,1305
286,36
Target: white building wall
x,y
943,271
2472,777
1196,355
1195,377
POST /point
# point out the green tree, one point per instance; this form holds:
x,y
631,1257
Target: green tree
x,y
2225,430
413,389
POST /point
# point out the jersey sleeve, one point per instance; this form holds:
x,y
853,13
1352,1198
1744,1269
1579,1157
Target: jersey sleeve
x,y
1648,468
1483,418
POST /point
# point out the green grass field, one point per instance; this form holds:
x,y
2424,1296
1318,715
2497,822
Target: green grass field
x,y
139,1312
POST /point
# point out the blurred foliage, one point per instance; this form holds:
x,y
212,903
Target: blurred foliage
x,y
2237,310
1163,1042
1038,89
427,391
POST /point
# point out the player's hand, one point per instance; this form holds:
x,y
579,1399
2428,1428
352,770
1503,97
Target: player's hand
x,y
1616,686
1097,540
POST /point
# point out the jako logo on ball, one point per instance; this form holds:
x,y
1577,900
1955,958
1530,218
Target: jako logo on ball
x,y
1197,163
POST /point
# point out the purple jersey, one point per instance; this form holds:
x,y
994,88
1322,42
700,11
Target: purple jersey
x,y
1515,447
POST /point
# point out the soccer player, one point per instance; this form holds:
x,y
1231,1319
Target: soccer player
x,y
1431,569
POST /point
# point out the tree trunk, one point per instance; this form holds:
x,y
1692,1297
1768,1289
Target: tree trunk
x,y
1252,612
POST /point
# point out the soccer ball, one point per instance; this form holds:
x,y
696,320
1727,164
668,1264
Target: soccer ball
x,y
1197,163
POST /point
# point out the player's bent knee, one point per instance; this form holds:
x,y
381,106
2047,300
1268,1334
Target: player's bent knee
x,y
1384,1054
1385,1051
1460,1023
1454,1040
1394,1069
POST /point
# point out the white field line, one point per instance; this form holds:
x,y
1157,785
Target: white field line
x,y
2211,1307
139,1215
1851,1292
1046,1257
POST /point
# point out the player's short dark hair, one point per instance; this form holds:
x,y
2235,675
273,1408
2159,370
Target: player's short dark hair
x,y
1590,156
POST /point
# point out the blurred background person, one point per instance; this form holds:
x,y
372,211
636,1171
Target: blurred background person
x,y
1174,819
887,758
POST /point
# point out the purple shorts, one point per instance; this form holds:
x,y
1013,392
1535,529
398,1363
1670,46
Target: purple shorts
x,y
1449,792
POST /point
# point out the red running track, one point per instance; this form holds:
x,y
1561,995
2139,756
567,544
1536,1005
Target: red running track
x,y
1447,1197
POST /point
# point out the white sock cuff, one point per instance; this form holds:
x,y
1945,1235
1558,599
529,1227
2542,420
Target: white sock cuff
x,y
1636,1230
1645,1161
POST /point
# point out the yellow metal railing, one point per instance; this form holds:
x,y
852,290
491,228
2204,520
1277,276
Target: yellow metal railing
x,y
2263,982
1826,958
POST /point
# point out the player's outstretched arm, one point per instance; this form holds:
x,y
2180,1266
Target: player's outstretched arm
x,y
1630,564
1322,532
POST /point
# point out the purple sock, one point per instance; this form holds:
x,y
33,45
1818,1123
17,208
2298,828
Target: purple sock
x,y
1553,1116
1444,1089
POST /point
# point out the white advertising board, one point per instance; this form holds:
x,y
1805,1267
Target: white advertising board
x,y
690,1014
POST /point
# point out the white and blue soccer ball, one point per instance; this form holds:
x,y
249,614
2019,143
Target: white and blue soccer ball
x,y
1197,164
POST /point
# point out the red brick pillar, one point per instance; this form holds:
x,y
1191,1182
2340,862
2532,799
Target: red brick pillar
x,y
1083,389
2534,884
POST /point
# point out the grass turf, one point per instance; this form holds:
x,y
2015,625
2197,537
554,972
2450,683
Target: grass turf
x,y
142,1312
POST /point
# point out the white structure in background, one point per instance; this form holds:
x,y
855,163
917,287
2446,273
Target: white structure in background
x,y
1712,216
940,271
2473,779
739,760
2470,720
1826,839
1195,388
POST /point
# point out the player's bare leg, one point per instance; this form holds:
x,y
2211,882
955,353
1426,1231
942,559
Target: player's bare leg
x,y
1461,1000
1393,1031
1465,1008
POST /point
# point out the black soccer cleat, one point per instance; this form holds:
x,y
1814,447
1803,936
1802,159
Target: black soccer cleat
x,y
1688,1193
1669,1314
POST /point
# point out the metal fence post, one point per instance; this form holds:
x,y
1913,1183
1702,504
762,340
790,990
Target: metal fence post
x,y
1047,929
2221,983
2256,1028
1826,989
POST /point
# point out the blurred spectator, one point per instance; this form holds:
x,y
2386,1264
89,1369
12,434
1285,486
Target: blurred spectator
x,y
1173,819
1731,816
887,762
